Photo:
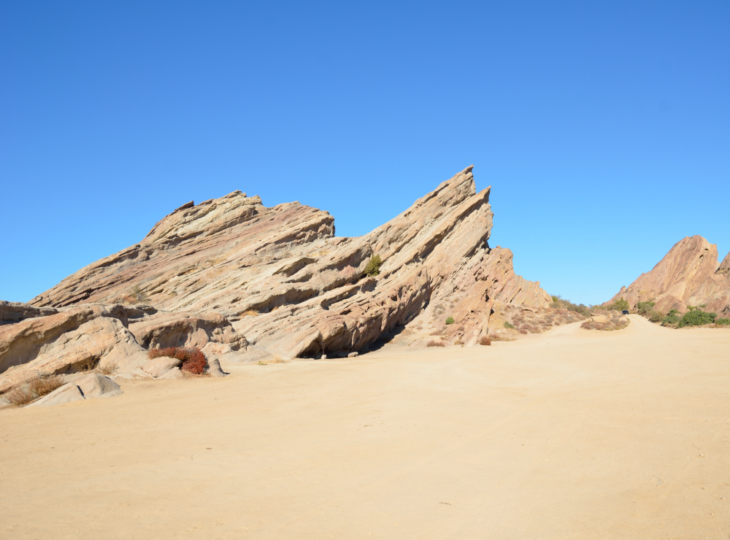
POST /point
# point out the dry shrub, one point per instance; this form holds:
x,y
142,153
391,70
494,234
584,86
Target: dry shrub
x,y
523,331
35,388
435,333
434,343
192,358
484,340
20,396
107,369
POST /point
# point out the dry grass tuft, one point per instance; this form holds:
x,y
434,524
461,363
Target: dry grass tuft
x,y
484,340
20,396
34,389
434,343
107,369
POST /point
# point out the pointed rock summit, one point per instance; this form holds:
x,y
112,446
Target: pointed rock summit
x,y
689,275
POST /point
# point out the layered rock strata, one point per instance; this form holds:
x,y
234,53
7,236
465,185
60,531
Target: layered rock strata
x,y
290,286
689,275
234,277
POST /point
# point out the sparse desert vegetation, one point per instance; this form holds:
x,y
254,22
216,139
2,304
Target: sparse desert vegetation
x,y
35,388
606,321
193,359
373,266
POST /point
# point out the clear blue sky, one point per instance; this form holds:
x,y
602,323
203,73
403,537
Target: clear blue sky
x,y
603,127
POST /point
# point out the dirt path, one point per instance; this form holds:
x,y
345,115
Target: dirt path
x,y
572,434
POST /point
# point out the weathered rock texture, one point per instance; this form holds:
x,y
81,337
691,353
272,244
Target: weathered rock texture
x,y
290,286
229,273
13,312
689,275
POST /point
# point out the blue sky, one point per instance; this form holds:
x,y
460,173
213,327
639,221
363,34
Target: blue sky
x,y
603,127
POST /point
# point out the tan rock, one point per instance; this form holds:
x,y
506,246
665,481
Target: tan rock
x,y
159,366
66,342
292,288
67,393
689,275
186,330
214,367
173,373
94,385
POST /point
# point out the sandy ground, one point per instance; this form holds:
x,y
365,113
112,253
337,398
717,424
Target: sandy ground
x,y
572,434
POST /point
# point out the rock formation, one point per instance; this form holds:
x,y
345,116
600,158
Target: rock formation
x,y
689,275
236,278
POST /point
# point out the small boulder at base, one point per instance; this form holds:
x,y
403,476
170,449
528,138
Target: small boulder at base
x,y
352,355
94,385
172,373
66,394
159,366
214,367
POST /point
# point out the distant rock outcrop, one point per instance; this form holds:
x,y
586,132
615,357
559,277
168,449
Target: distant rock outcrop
x,y
689,275
234,277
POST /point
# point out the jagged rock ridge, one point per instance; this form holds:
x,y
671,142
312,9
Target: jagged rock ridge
x,y
289,285
237,278
688,275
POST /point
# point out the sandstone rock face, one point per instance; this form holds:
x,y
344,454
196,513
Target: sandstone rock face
x,y
186,330
230,272
68,341
689,275
13,312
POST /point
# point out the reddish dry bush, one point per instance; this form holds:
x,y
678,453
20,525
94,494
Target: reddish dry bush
x,y
434,343
523,331
192,358
484,340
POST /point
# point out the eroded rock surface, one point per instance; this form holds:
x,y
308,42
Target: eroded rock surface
x,y
288,285
230,272
689,275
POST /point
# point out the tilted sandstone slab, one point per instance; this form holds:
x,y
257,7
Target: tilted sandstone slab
x,y
689,275
294,289
184,329
13,312
68,341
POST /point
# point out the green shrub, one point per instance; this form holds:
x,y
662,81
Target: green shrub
x,y
373,266
645,307
671,318
723,322
619,305
655,316
449,320
696,317
508,325
559,303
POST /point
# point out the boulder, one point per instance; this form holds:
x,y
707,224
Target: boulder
x,y
65,394
214,366
172,373
94,385
159,366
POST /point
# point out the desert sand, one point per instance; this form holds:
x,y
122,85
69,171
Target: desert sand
x,y
571,434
